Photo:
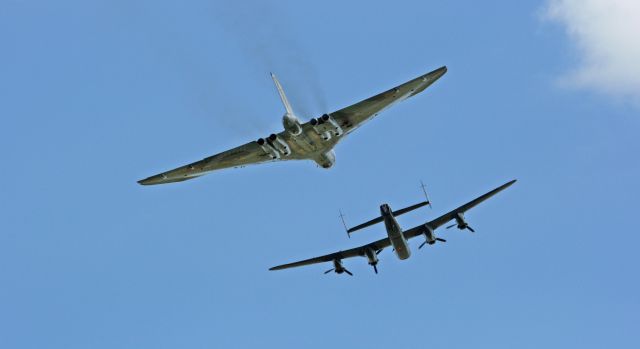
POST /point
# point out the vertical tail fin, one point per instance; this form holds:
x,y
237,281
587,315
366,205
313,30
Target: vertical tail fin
x,y
424,190
283,97
344,224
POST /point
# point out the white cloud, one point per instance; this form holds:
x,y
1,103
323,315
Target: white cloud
x,y
606,35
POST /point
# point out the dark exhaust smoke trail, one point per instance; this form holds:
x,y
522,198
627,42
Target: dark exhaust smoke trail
x,y
264,33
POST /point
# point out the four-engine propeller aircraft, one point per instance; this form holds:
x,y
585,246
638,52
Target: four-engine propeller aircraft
x,y
313,140
396,237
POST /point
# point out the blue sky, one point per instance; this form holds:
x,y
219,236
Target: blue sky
x,y
98,94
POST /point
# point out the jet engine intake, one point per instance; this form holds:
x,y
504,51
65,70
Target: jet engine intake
x,y
326,127
268,149
279,144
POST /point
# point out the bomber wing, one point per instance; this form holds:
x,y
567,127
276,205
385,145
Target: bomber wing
x,y
250,153
353,116
354,252
445,218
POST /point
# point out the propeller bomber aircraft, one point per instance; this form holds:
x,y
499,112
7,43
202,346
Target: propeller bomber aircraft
x,y
313,140
395,236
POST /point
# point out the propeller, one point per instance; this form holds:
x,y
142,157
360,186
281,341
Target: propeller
x,y
344,269
466,226
372,257
425,242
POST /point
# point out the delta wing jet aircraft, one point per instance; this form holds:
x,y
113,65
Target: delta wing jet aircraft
x,y
395,236
313,140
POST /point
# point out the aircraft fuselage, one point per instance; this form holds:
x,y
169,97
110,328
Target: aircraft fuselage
x,y
394,231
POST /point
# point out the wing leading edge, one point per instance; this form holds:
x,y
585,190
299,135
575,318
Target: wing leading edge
x,y
250,153
357,114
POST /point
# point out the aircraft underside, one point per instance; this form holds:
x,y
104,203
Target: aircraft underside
x,y
313,140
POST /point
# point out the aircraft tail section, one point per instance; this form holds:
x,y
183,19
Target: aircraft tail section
x,y
380,219
283,97
289,120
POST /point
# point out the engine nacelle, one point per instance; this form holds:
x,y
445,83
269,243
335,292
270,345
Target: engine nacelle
x,y
291,124
338,267
268,149
429,235
279,144
372,257
326,160
462,223
326,127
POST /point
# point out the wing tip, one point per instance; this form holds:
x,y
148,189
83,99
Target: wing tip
x,y
153,180
145,181
439,72
164,179
508,184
